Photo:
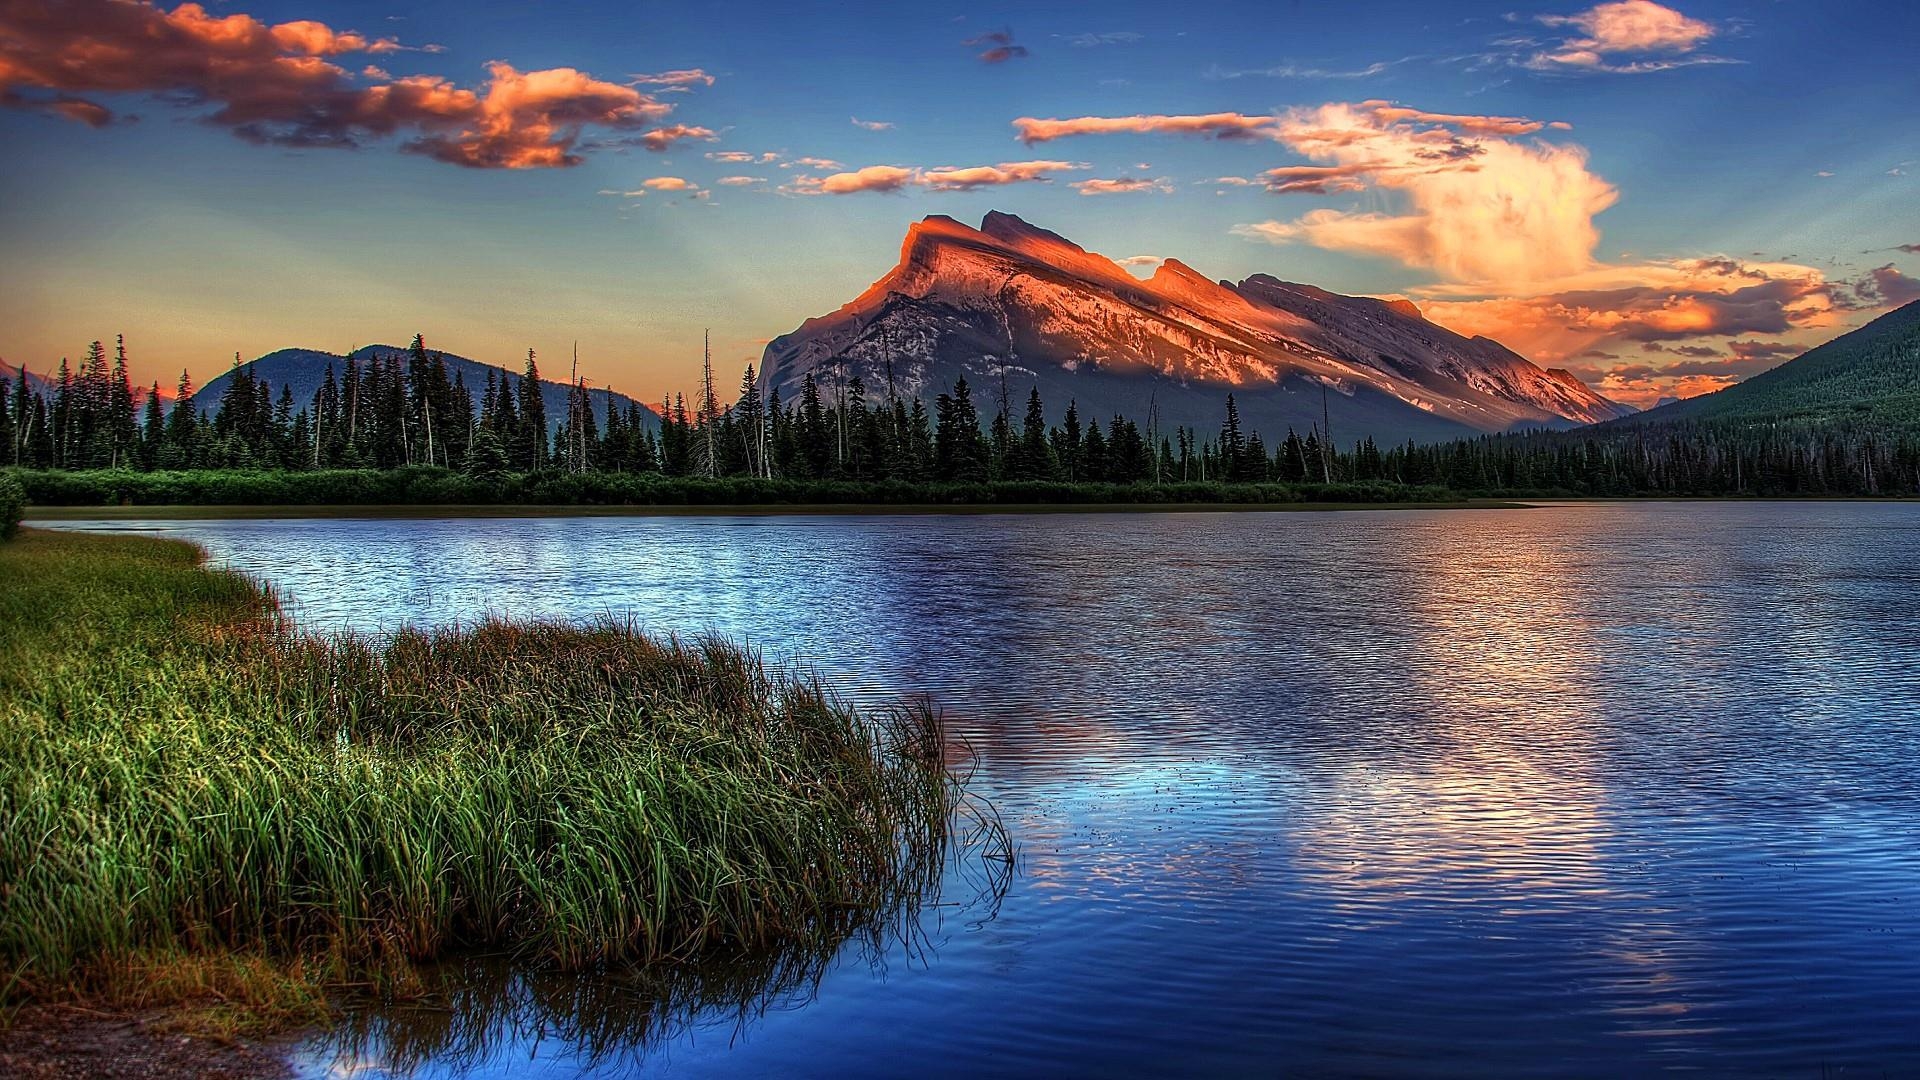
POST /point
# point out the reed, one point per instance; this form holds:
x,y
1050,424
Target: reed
x,y
185,775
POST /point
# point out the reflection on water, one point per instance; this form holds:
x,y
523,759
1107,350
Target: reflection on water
x,y
466,1015
1578,790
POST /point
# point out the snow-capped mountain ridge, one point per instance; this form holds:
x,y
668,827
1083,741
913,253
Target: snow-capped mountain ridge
x,y
1014,300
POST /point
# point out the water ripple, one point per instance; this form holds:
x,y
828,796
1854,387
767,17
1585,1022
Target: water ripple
x,y
1587,789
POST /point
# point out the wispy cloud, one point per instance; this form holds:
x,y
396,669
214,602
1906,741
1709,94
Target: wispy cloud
x,y
893,178
1127,185
742,157
684,77
1007,172
997,46
1095,41
659,139
1213,125
872,125
1307,71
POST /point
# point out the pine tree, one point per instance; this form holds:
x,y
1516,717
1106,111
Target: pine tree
x,y
816,447
959,449
531,451
752,415
1070,443
121,433
1035,458
1093,456
153,429
9,438
1233,445
182,442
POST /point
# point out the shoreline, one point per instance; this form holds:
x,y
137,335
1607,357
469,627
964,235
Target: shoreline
x,y
823,822
547,510
452,511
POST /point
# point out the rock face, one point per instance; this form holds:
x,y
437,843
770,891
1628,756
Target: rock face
x,y
1015,302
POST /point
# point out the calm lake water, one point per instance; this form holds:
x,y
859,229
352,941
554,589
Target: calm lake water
x,y
1583,790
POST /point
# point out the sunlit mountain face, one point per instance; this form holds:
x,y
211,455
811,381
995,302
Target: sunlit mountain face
x,y
1657,200
1011,303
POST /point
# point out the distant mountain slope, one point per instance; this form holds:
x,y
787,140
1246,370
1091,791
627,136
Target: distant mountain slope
x,y
43,383
1010,299
38,382
305,369
1871,375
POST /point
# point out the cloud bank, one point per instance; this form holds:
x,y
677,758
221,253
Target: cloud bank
x,y
280,85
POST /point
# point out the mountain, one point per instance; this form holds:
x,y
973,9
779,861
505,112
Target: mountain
x,y
1869,376
45,384
1013,300
305,369
38,383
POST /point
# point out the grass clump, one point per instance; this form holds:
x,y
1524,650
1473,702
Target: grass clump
x,y
13,504
184,776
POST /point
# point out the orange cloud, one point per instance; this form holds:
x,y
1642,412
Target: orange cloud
x,y
1659,36
1479,208
667,183
741,157
1886,285
660,139
1123,186
319,39
887,178
1505,224
1479,125
1214,125
275,84
1319,179
871,178
1007,172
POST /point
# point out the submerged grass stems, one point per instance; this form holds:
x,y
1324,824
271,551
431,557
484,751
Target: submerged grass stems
x,y
184,777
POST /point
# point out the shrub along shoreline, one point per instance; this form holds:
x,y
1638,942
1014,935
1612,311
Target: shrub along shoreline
x,y
422,486
197,799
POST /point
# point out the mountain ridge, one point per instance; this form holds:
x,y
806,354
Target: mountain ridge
x,y
1016,301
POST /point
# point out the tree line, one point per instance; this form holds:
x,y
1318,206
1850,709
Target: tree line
x,y
403,409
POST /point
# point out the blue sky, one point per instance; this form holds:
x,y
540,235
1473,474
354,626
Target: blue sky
x,y
1720,184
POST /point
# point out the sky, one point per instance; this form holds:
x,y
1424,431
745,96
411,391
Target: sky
x,y
1663,200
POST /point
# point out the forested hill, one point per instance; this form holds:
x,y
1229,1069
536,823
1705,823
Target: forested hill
x,y
1868,378
302,371
1841,419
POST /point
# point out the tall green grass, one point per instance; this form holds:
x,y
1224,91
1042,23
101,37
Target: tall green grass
x,y
13,504
182,773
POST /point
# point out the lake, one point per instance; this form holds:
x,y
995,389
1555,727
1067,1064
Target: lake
x,y
1585,789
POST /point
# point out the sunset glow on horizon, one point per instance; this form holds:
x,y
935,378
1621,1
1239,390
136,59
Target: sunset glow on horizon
x,y
1662,200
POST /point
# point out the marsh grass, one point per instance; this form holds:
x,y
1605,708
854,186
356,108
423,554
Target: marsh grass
x,y
192,792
